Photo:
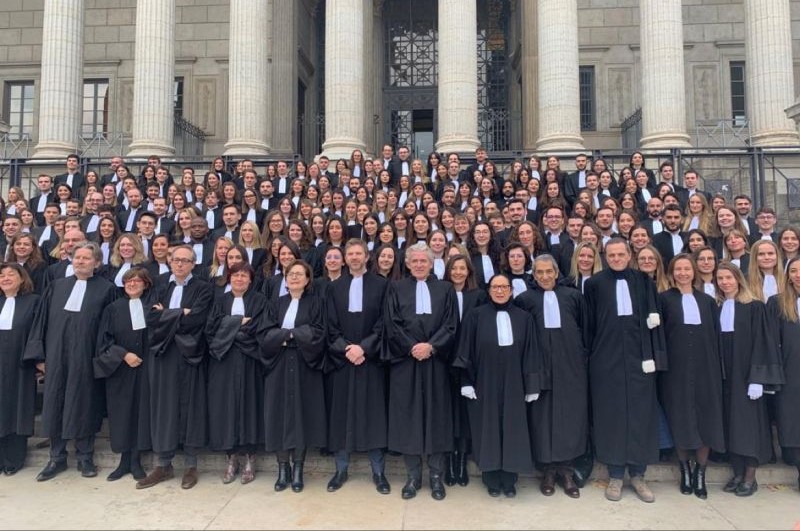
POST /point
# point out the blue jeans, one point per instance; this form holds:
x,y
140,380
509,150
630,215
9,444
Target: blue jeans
x,y
618,471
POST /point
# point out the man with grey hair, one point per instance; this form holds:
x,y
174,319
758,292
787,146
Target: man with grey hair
x,y
62,346
421,317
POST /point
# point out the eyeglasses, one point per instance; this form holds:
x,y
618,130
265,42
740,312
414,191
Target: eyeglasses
x,y
182,260
501,287
295,274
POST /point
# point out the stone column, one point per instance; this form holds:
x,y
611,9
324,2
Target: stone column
x,y
768,67
376,133
369,94
61,87
530,82
663,79
345,90
458,77
247,79
153,79
284,79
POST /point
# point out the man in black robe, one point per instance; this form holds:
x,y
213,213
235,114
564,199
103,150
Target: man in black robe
x,y
178,370
357,383
421,318
62,345
626,340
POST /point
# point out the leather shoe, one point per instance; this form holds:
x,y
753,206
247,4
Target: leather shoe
x,y
189,478
570,487
10,470
231,469
410,488
336,482
284,477
297,477
51,470
747,489
159,474
494,492
510,492
249,470
548,486
733,484
381,483
437,488
87,469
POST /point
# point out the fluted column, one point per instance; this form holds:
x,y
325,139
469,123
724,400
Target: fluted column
x,y
458,76
283,83
663,79
768,67
530,82
559,90
153,79
345,87
247,79
61,87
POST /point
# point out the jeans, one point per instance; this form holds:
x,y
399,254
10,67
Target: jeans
x,y
618,471
375,455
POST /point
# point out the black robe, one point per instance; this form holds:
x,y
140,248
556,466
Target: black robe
x,y
624,405
420,408
17,379
750,355
294,399
470,299
787,334
691,390
501,376
66,342
357,392
235,375
127,388
178,412
560,417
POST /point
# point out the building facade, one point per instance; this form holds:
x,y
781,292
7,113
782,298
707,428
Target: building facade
x,y
280,78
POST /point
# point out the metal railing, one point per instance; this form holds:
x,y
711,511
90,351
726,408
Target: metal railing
x,y
722,133
189,139
632,130
14,146
103,144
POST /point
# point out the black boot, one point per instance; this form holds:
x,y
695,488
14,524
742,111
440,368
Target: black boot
x,y
284,476
686,477
463,472
699,482
450,472
297,476
136,466
123,468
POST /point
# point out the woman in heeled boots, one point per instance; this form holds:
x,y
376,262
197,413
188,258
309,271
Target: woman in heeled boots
x,y
691,390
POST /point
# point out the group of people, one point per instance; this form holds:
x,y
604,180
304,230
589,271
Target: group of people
x,y
527,319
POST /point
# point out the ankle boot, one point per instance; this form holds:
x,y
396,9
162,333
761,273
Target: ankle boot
x,y
463,473
249,470
231,469
284,475
123,468
136,466
686,477
450,472
297,476
699,482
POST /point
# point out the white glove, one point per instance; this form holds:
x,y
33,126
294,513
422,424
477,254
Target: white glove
x,y
653,320
755,391
648,366
469,392
532,398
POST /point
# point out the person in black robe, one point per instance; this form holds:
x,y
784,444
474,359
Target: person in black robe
x,y
62,344
783,312
421,318
691,390
460,273
18,305
235,376
626,345
292,340
122,349
357,416
751,367
500,366
560,417
177,372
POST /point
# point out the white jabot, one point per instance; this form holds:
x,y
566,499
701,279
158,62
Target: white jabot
x,y
227,288
163,268
657,227
423,298
402,199
210,219
460,298
518,287
265,203
555,239
198,252
709,289
798,305
187,239
220,271
694,223
770,286
122,270
48,230
400,241
488,267
766,237
370,246
237,308
282,185
291,315
405,168
746,225
176,299
251,215
737,262
533,203
727,315
356,297
582,179
505,335
677,243
646,195
624,304
131,219
249,251
691,312
70,271
7,315
282,289
70,178
75,300
552,312
137,314
105,249
438,268
42,202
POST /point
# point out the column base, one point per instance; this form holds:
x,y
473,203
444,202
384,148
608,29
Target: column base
x,y
145,148
244,148
458,144
665,141
563,142
53,150
342,148
784,138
